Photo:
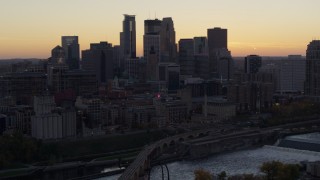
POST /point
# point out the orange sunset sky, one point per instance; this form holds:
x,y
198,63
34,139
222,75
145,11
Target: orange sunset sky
x,y
31,28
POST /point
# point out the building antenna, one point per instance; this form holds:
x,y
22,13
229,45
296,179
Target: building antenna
x,y
149,14
155,15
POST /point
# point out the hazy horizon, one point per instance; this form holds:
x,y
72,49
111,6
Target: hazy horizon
x,y
30,29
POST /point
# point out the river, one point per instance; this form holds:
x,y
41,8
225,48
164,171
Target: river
x,y
246,161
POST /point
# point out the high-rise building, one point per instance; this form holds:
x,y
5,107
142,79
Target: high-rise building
x,y
217,39
135,68
58,55
186,56
99,58
80,82
202,68
292,74
151,42
151,47
71,47
152,66
251,92
186,47
225,64
226,68
289,74
168,45
151,38
83,83
128,37
23,86
170,73
312,85
152,26
54,77
200,45
161,37
117,61
252,64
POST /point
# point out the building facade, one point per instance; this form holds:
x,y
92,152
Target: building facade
x,y
217,40
168,45
312,85
128,37
71,47
252,64
99,58
186,56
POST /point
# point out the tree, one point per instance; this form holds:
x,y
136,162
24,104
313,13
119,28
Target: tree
x,y
201,174
222,175
278,170
289,172
245,177
271,169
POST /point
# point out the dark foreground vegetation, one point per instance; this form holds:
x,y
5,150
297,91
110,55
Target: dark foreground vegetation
x,y
17,150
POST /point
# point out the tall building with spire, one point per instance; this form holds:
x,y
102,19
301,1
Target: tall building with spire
x,y
151,38
128,37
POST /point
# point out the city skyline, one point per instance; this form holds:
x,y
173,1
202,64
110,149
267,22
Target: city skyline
x,y
31,29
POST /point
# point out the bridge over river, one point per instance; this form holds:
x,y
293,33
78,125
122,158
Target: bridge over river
x,y
205,142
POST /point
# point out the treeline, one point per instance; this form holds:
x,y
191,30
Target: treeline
x,y
16,149
271,170
293,112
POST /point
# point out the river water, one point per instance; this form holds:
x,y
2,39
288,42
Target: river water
x,y
246,161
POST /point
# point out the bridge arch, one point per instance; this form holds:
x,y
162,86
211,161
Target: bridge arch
x,y
136,176
141,171
145,164
157,151
164,146
201,134
172,143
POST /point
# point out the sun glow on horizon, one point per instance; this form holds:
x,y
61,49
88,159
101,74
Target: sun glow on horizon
x,y
272,28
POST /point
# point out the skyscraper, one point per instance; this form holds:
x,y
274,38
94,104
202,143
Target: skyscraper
x,y
152,26
71,48
292,74
225,64
217,40
99,58
252,64
151,38
128,37
57,55
186,56
168,45
312,85
200,45
152,66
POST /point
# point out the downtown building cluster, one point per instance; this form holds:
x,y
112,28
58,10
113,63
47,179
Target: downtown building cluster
x,y
107,88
